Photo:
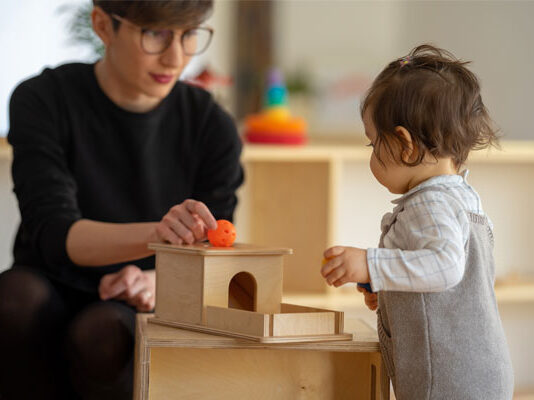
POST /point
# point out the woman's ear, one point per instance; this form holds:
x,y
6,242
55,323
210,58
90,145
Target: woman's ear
x,y
102,25
409,151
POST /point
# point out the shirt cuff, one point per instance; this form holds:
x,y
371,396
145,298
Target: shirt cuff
x,y
376,281
53,242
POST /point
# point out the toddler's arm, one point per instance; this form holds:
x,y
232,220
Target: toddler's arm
x,y
425,248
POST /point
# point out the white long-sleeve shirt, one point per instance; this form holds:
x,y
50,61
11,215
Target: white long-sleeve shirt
x,y
424,250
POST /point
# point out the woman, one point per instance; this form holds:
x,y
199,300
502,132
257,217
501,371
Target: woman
x,y
108,157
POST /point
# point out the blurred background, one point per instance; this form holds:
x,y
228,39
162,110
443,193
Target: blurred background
x,y
329,51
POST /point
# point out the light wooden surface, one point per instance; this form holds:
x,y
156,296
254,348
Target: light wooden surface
x,y
515,293
188,278
294,324
194,291
289,207
179,287
5,149
326,149
265,270
205,249
247,323
263,331
178,364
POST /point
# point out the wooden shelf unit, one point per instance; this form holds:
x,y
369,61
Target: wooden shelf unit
x,y
5,149
292,196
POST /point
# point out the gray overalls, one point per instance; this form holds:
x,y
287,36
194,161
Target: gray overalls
x,y
448,345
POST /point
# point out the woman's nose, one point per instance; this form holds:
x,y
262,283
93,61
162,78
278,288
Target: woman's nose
x,y
174,56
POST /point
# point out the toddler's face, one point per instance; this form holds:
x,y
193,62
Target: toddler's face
x,y
390,172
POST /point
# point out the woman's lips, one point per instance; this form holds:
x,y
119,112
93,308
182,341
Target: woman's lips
x,y
161,78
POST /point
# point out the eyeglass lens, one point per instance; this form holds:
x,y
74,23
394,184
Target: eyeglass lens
x,y
194,41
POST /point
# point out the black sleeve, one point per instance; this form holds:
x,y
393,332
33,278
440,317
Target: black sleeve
x,y
219,174
43,184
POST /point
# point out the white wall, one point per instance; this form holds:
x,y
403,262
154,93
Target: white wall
x,y
32,36
497,37
333,38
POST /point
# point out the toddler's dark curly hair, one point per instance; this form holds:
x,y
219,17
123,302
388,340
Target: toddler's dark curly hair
x,y
437,99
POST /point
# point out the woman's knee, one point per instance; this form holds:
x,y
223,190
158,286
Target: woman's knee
x,y
27,299
100,340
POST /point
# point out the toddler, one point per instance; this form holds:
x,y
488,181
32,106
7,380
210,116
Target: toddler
x,y
440,332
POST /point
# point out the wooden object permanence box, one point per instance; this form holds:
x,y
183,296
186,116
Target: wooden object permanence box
x,y
235,291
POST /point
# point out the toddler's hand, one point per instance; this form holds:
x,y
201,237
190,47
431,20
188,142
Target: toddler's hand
x,y
345,264
371,299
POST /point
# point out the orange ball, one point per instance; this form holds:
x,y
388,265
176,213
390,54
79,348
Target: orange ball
x,y
224,235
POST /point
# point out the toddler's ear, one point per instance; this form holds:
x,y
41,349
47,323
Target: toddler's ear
x,y
408,152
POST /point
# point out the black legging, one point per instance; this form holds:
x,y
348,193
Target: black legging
x,y
59,343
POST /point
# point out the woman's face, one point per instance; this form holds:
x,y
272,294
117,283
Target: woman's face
x,y
139,73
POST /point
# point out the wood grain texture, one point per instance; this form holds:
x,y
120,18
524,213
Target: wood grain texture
x,y
258,374
303,324
364,338
254,338
185,364
290,207
206,249
179,287
265,269
238,321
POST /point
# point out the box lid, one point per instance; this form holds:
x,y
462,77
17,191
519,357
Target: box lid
x,y
206,249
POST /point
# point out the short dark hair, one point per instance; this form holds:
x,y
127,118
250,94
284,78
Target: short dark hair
x,y
158,13
437,99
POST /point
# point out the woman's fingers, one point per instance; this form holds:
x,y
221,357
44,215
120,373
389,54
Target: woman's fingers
x,y
144,301
199,208
187,223
116,284
166,234
174,221
104,285
132,291
132,285
189,227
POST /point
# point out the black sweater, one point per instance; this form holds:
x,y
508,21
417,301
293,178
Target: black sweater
x,y
76,154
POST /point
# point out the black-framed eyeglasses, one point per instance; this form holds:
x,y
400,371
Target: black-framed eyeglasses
x,y
155,41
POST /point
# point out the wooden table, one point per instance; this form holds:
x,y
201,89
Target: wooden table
x,y
172,363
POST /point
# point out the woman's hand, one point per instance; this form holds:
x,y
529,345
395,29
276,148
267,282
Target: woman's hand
x,y
371,299
131,285
345,264
187,223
